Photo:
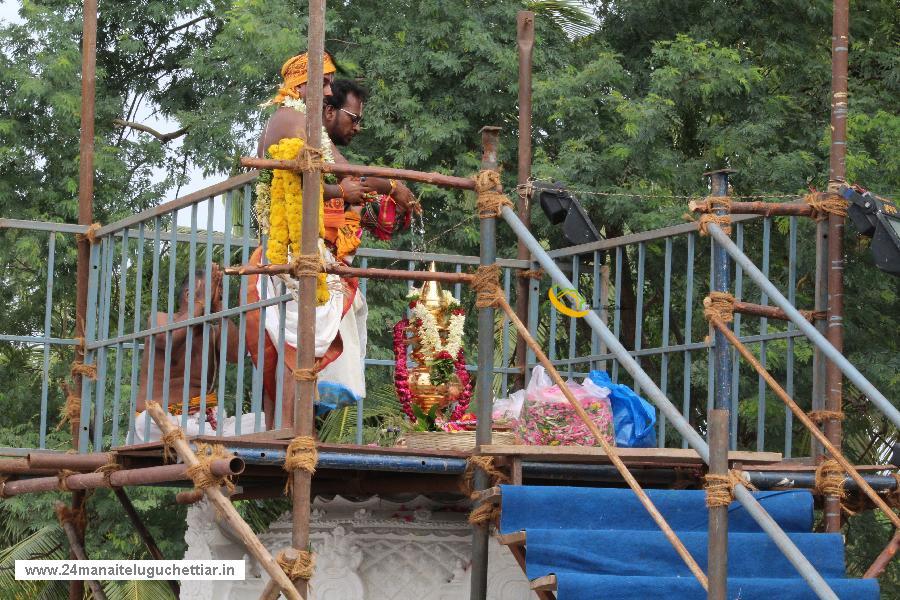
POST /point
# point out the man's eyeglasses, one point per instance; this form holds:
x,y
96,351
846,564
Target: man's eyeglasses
x,y
354,118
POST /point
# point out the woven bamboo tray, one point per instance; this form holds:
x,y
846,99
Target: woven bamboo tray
x,y
453,440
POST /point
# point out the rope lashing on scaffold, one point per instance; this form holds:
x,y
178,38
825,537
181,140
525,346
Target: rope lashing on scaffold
x,y
66,514
825,203
720,488
61,477
830,479
489,202
713,204
168,441
201,473
108,469
310,159
301,454
70,411
305,375
301,567
90,235
485,513
820,416
486,283
536,274
720,306
308,265
79,369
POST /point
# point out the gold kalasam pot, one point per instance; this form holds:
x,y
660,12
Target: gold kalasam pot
x,y
425,395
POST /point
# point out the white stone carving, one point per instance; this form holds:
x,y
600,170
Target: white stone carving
x,y
371,549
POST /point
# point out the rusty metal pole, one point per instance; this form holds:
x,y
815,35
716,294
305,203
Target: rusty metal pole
x,y
305,391
480,535
840,40
85,217
719,417
525,43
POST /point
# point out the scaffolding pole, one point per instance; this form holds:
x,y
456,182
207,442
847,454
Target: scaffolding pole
x,y
840,41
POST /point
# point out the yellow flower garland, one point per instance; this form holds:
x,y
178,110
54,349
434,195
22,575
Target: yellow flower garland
x,y
286,211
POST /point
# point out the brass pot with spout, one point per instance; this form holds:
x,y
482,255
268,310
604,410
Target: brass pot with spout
x,y
424,393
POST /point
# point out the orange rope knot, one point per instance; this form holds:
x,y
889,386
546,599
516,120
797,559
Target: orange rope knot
x,y
301,455
108,469
719,306
830,479
524,190
486,464
536,274
723,221
486,284
300,568
308,265
305,375
65,514
823,203
720,488
820,416
484,514
61,479
89,371
310,159
168,440
90,235
490,201
201,473
710,204
71,410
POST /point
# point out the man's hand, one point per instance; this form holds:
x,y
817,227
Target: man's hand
x,y
354,191
406,200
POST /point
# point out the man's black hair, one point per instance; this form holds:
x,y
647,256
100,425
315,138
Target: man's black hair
x,y
200,276
340,89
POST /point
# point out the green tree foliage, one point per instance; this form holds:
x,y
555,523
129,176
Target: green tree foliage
x,y
655,94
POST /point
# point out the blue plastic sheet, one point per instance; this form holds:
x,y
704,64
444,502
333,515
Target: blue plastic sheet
x,y
333,396
634,419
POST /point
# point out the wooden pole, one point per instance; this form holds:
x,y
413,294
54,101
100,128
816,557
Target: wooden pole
x,y
840,41
226,509
610,451
78,550
305,391
884,559
807,422
525,43
145,534
85,217
462,183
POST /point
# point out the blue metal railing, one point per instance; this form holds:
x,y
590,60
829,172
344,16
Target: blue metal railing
x,y
138,262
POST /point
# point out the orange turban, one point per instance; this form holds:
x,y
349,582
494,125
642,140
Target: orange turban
x,y
296,72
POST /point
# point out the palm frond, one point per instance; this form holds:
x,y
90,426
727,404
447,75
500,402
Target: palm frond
x,y
46,543
340,425
571,15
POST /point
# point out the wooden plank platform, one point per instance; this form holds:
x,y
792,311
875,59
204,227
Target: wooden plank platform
x,y
651,457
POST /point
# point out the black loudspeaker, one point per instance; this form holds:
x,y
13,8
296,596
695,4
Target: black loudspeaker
x,y
563,209
879,219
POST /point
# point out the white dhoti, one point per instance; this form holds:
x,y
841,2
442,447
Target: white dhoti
x,y
348,368
227,425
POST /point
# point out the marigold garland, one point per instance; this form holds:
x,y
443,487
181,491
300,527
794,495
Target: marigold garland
x,y
286,211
